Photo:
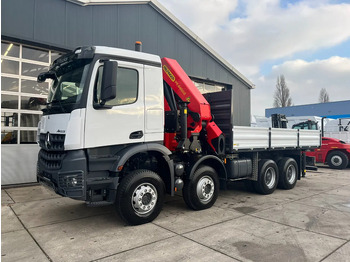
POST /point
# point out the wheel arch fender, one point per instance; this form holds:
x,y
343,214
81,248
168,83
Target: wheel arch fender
x,y
212,161
124,155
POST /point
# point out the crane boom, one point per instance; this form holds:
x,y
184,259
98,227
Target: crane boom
x,y
195,108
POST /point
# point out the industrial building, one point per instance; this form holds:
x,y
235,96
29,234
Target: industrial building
x,y
35,32
339,109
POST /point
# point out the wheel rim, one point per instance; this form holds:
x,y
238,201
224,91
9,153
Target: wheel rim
x,y
205,189
144,199
336,160
291,174
270,177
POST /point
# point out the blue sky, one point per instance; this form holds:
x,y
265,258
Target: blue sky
x,y
342,50
308,41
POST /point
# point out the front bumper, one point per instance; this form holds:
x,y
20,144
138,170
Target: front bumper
x,y
65,173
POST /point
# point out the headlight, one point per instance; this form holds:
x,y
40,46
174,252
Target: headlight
x,y
71,181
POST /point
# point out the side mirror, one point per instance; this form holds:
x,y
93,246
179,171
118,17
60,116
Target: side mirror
x,y
43,76
109,81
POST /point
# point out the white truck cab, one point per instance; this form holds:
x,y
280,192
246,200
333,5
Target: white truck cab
x,y
81,131
74,109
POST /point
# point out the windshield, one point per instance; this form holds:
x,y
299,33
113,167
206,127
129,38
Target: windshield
x,y
66,90
306,125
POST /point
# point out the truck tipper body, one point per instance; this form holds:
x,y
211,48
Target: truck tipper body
x,y
125,128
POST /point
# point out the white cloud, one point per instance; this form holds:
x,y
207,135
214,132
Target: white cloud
x,y
305,80
250,34
264,30
274,33
202,16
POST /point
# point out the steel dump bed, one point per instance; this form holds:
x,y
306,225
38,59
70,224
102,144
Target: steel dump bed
x,y
255,138
244,138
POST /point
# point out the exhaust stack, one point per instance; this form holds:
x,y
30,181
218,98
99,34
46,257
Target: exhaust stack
x,y
138,46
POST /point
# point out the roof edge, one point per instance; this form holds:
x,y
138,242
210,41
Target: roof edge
x,y
107,2
179,25
313,104
182,27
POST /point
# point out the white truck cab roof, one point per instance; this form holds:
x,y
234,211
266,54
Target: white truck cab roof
x,y
135,55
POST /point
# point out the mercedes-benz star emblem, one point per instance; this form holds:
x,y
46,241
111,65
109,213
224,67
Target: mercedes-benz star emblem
x,y
47,141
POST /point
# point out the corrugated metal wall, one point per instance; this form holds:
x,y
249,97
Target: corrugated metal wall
x,y
61,24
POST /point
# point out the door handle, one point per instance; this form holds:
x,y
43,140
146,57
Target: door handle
x,y
136,135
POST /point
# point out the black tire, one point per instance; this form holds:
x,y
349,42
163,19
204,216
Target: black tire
x,y
337,160
202,190
140,197
288,170
268,177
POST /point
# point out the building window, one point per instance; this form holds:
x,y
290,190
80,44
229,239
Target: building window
x,y
9,50
22,98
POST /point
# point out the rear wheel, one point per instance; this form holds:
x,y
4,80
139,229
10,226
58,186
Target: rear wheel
x,y
337,160
202,190
140,197
268,177
288,170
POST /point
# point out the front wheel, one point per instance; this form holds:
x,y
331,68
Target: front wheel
x,y
268,177
202,190
140,197
337,160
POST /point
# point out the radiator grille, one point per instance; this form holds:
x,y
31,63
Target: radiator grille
x,y
51,160
52,142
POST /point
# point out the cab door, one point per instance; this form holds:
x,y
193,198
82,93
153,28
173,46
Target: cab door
x,y
122,121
